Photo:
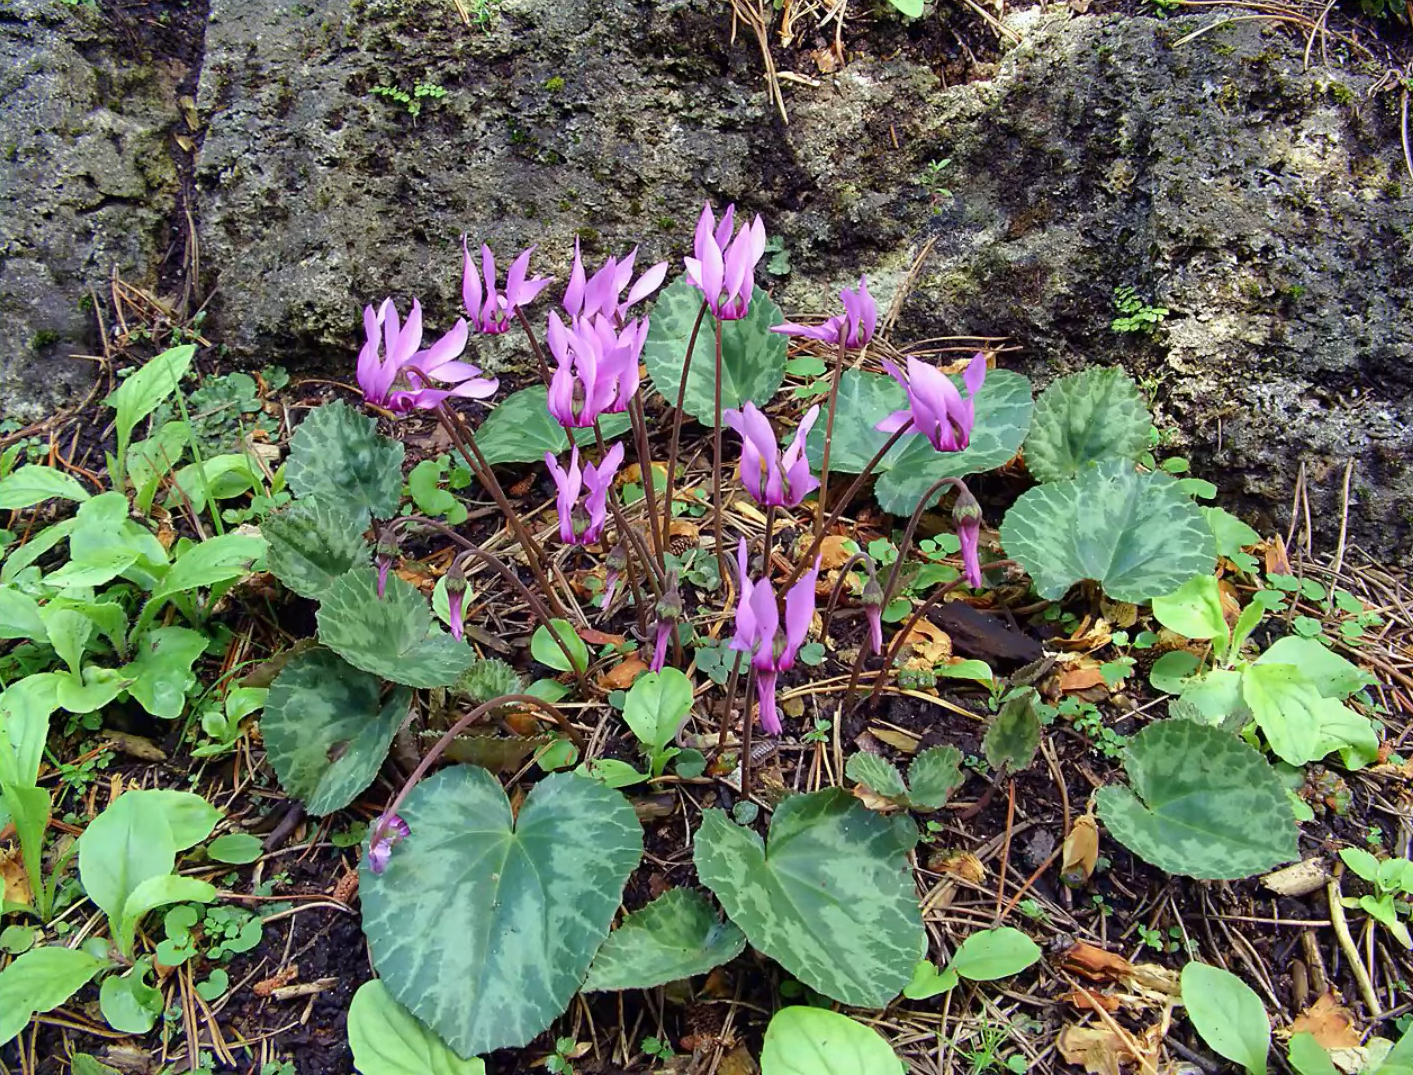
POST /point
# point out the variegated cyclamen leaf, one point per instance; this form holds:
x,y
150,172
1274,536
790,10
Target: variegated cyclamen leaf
x,y
391,636
877,774
933,776
1137,535
338,455
1086,417
829,897
326,729
1203,804
864,400
312,543
678,935
484,923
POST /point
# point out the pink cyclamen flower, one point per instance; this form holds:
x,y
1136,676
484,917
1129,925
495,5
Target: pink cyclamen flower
x,y
966,518
597,368
491,311
599,294
787,475
935,406
724,268
582,524
669,612
853,328
758,631
456,598
394,372
388,830
872,601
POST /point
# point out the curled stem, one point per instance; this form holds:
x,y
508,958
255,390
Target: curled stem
x,y
897,570
639,422
838,589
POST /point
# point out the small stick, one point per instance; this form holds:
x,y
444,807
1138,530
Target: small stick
x,y
1351,951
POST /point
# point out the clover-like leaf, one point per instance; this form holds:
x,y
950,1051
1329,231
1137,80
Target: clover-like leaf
x,y
677,936
312,543
1203,804
801,1040
1084,418
1014,735
387,1039
521,429
1138,535
391,636
829,897
878,774
484,922
933,776
337,455
1003,408
326,729
752,357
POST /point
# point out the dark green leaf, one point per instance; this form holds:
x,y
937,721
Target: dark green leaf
x,y
1090,416
337,455
678,935
312,543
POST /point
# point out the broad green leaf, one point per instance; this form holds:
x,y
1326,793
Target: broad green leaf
x,y
752,357
1014,734
830,897
608,771
878,774
1003,409
1231,533
86,1064
1348,732
934,775
656,705
102,566
911,8
816,1041
521,429
29,811
39,981
222,476
25,708
1171,671
19,616
528,899
1331,674
1286,707
312,543
1214,698
390,636
678,935
190,818
989,954
69,632
122,847
1308,1056
928,981
864,400
161,669
150,460
128,1003
1361,862
158,892
91,691
1203,804
326,731
337,455
978,671
213,561
33,484
17,559
1138,535
237,848
544,649
138,396
1088,417
1194,610
1228,1015
387,1039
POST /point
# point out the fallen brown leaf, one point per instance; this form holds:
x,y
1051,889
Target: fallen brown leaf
x,y
1080,852
14,881
930,644
1096,964
835,550
738,1061
896,738
620,677
1087,1000
962,865
1331,1024
1098,1049
1277,563
281,978
599,638
346,888
1080,678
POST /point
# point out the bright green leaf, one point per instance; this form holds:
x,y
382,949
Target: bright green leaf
x,y
32,484
1286,707
1193,610
544,649
237,848
387,1039
656,705
816,1041
39,981
1228,1015
989,954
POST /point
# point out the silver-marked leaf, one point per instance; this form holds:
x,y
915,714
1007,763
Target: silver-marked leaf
x,y
678,935
830,897
1003,409
933,776
1138,535
1203,804
391,636
752,357
816,1041
865,399
387,1039
521,429
877,774
1014,735
483,924
312,543
326,730
338,455
1084,418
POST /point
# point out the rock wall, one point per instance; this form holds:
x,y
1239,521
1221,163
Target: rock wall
x,y
1262,204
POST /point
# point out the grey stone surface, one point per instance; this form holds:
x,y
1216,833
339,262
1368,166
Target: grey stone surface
x,y
88,186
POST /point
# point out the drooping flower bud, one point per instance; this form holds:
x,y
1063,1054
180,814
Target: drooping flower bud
x,y
616,563
388,830
456,596
966,518
669,611
872,601
384,553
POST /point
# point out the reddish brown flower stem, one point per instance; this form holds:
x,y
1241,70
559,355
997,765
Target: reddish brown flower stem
x,y
677,427
828,440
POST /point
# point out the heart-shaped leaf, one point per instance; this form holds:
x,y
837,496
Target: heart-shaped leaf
x,y
752,357
312,543
677,936
521,429
864,400
830,897
326,731
484,923
815,1041
161,669
337,455
877,774
387,1039
933,775
1203,804
1193,610
1138,535
1084,418
391,636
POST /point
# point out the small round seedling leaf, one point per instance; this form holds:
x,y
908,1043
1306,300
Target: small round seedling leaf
x,y
1003,409
509,909
933,776
989,954
1093,415
928,981
387,1039
326,729
1203,804
1138,535
544,649
829,897
877,774
390,636
236,848
312,543
815,1041
1228,1015
521,429
656,706
677,936
752,357
338,455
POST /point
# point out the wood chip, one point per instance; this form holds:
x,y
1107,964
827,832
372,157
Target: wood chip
x,y
281,978
1301,879
303,989
895,738
135,746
